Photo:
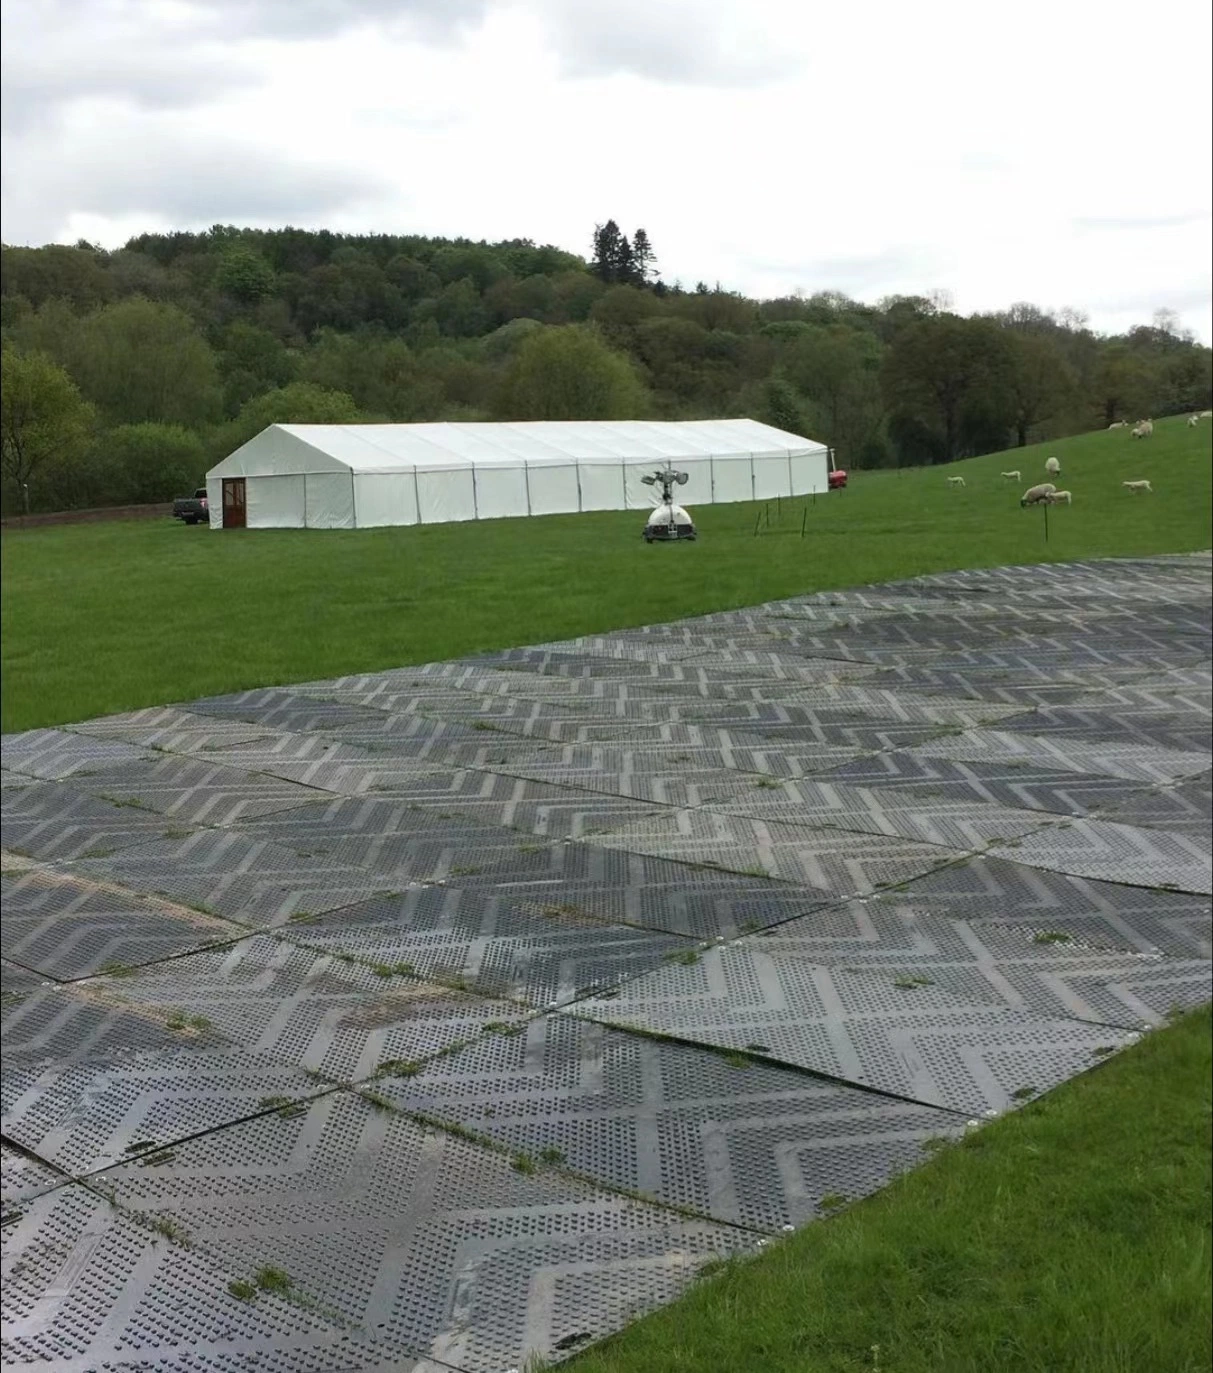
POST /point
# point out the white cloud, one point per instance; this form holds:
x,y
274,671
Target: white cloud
x,y
999,155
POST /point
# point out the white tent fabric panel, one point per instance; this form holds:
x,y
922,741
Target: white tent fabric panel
x,y
384,498
500,492
772,476
446,496
278,502
214,501
554,490
280,451
329,500
396,447
641,496
699,480
637,495
603,487
429,446
810,473
732,480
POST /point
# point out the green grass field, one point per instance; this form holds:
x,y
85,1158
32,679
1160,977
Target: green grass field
x,y
1070,1237
108,617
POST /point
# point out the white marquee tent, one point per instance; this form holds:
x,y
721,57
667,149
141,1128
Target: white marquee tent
x,y
356,476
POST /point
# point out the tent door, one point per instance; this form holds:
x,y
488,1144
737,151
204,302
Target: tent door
x,y
233,503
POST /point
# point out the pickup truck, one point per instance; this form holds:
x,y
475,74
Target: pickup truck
x,y
192,509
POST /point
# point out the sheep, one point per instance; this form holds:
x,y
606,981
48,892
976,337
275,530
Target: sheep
x,y
1138,487
1143,429
1013,476
1036,495
1119,424
956,481
1193,421
1206,414
1059,498
1052,466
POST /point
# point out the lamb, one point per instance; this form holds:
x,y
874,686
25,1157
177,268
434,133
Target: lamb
x,y
956,481
1013,476
1119,424
1138,487
1052,466
1059,498
1037,495
1143,429
1206,414
1193,421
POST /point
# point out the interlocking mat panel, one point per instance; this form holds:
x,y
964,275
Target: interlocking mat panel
x,y
447,1017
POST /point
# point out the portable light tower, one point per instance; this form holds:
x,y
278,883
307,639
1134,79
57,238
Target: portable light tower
x,y
669,522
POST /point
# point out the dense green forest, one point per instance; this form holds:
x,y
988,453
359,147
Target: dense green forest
x,y
126,374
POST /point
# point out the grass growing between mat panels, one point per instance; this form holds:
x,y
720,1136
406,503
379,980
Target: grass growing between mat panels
x,y
109,617
1070,1237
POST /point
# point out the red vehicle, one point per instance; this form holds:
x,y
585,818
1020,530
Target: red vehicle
x,y
838,478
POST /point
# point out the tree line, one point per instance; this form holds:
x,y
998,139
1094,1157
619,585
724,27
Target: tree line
x,y
126,374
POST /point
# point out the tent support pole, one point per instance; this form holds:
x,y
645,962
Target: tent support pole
x,y
417,495
526,476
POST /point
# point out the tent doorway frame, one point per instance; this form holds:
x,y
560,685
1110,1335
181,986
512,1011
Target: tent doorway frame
x,y
235,508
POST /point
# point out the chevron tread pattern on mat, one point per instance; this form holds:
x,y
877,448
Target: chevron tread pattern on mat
x,y
489,999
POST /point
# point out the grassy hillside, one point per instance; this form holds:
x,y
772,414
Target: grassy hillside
x,y
110,617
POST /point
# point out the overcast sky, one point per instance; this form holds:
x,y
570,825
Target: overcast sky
x,y
1056,151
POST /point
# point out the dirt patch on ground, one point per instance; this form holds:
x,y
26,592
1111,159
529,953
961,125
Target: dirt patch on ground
x,y
109,512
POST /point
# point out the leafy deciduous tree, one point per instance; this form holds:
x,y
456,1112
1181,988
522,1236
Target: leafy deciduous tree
x,y
146,463
569,373
1039,381
244,275
783,407
301,402
936,365
44,421
141,360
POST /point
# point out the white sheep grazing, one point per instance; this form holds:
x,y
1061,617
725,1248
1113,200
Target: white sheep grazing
x,y
956,481
1138,487
1119,424
1013,476
1036,495
1193,421
1059,498
1143,429
1206,414
1052,467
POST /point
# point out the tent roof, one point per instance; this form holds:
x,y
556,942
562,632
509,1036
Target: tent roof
x,y
405,447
